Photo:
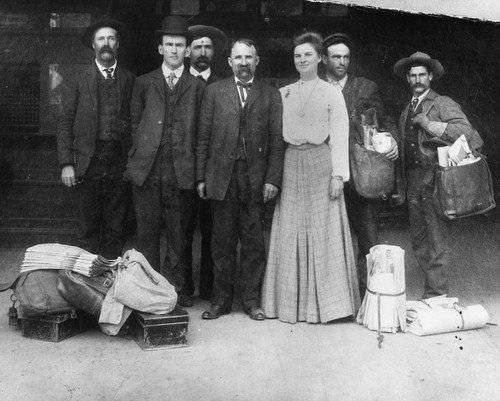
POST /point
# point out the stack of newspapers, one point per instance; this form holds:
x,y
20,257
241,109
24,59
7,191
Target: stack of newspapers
x,y
59,256
384,304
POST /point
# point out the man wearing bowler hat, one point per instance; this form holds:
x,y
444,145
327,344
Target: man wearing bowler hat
x,y
94,138
208,42
428,119
161,162
360,94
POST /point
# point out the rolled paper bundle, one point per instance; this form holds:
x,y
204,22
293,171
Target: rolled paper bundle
x,y
443,156
427,320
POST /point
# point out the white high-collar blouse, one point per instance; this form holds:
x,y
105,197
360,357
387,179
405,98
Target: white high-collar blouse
x,y
312,112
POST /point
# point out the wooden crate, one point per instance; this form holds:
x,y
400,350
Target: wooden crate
x,y
154,332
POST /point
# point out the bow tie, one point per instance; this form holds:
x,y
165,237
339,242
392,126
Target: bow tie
x,y
248,85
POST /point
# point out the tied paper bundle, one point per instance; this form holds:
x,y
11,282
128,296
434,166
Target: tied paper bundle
x,y
384,305
443,315
59,256
457,154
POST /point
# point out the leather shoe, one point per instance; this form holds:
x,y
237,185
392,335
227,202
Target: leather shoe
x,y
256,313
185,300
215,312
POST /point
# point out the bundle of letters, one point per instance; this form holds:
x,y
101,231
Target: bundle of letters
x,y
384,304
443,315
59,256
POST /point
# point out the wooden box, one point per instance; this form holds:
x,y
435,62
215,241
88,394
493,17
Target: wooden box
x,y
53,328
154,332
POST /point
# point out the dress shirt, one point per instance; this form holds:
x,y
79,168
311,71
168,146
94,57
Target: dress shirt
x,y
314,114
102,68
239,94
204,74
420,98
337,84
177,72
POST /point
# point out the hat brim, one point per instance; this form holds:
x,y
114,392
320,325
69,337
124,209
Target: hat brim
x,y
188,35
219,38
104,23
402,66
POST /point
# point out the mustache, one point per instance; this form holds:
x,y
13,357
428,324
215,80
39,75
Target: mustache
x,y
243,68
417,86
106,48
203,59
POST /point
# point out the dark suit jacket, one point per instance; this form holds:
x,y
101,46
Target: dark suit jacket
x,y
148,116
218,137
77,133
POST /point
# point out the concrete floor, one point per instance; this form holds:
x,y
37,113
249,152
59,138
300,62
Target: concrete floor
x,y
235,358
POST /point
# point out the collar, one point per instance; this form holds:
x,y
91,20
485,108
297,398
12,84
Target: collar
x,y
204,74
102,68
167,71
340,82
421,97
248,82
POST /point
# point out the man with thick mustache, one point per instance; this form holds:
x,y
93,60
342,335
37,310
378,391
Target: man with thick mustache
x,y
427,121
161,163
208,42
93,140
239,165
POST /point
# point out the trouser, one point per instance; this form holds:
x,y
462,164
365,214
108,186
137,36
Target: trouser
x,y
362,214
159,199
238,217
201,213
429,234
102,197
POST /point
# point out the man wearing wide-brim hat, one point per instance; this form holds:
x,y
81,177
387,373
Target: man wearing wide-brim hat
x,y
161,163
208,42
428,119
94,138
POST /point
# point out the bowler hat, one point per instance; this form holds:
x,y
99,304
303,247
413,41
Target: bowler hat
x,y
219,38
105,22
335,39
402,67
174,25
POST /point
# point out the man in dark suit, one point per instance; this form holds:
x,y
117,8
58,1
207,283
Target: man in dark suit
x,y
161,163
428,117
360,94
208,42
93,141
239,168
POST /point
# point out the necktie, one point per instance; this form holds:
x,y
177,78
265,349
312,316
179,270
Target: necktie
x,y
201,78
170,80
109,71
244,89
414,104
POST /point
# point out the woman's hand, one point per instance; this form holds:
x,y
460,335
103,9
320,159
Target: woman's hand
x,y
336,187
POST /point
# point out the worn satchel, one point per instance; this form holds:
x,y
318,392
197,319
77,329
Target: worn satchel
x,y
462,191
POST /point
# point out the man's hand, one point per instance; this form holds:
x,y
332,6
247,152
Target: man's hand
x,y
269,192
392,153
421,119
68,175
202,190
336,188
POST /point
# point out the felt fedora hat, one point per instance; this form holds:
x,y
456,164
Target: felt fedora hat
x,y
219,38
402,67
174,25
105,22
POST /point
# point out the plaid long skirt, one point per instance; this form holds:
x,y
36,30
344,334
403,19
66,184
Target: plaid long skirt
x,y
311,271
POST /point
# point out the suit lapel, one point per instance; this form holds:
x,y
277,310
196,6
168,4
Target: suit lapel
x,y
92,83
428,102
184,84
231,92
159,83
121,81
255,92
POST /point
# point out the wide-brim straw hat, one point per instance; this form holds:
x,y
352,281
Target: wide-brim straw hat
x,y
174,25
105,22
402,67
219,38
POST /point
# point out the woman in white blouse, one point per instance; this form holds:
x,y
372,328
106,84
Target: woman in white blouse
x,y
311,273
